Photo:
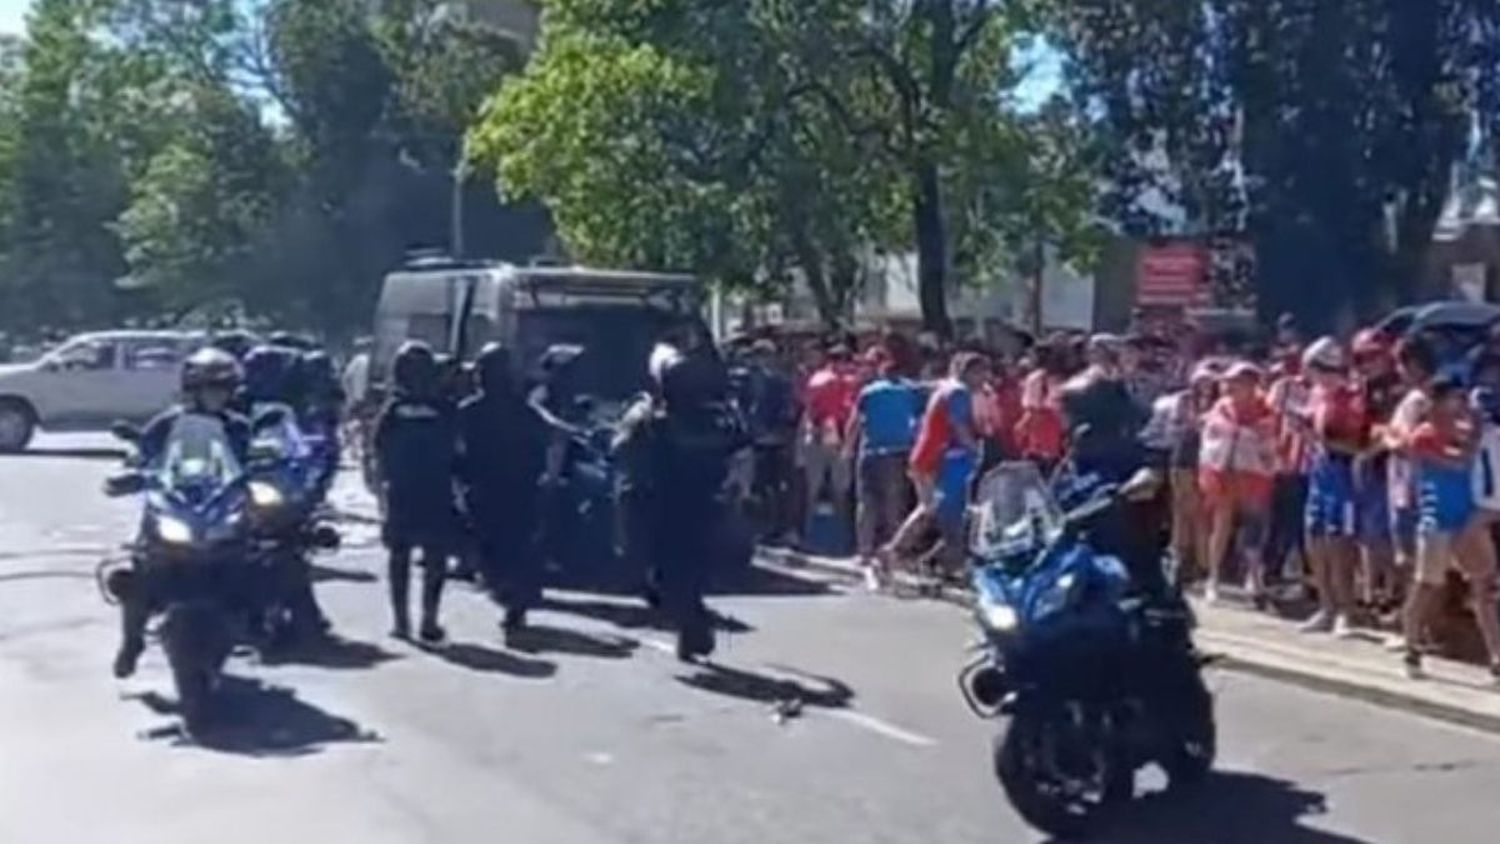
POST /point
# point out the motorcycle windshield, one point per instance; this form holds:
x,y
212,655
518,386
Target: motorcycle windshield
x,y
282,437
198,461
1013,508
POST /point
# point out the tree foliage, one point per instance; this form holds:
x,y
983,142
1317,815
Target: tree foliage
x,y
758,140
1326,132
280,154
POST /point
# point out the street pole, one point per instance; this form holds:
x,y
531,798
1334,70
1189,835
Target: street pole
x,y
456,212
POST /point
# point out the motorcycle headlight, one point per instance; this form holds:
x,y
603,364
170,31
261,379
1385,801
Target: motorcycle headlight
x,y
999,617
1056,596
173,531
265,496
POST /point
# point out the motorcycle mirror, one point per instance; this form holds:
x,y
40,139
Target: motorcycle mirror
x,y
270,417
125,432
125,483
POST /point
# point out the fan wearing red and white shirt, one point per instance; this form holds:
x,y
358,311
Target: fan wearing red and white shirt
x,y
1338,428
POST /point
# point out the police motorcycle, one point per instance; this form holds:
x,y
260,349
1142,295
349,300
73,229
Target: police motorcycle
x,y
193,559
1093,680
290,522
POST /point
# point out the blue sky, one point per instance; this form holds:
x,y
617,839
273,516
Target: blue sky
x,y
12,14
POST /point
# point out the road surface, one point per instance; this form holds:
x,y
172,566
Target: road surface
x,y
597,734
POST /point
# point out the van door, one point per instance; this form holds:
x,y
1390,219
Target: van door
x,y
78,383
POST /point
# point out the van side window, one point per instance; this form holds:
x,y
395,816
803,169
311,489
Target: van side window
x,y
85,355
152,355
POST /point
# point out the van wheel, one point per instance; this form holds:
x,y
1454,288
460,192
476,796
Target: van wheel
x,y
17,424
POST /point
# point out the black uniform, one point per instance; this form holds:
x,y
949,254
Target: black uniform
x,y
675,454
416,443
500,459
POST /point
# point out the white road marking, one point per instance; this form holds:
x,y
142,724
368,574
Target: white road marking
x,y
658,645
879,727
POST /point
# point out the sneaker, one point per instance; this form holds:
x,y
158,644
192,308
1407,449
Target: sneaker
x,y
874,581
1320,623
1211,594
1397,645
1495,673
1343,629
1412,663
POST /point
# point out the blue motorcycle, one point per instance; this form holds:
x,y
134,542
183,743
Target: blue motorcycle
x,y
192,563
1094,680
293,470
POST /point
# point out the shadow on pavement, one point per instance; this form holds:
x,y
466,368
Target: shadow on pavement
x,y
756,580
797,690
629,614
490,661
331,652
539,639
78,453
1233,807
260,720
333,574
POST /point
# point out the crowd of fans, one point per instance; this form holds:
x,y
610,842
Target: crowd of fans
x,y
1358,476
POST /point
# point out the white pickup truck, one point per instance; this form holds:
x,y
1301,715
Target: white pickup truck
x,y
91,381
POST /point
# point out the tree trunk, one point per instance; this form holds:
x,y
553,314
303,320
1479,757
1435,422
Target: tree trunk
x,y
932,250
810,260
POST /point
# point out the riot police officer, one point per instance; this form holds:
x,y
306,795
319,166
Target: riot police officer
x,y
416,441
500,459
676,450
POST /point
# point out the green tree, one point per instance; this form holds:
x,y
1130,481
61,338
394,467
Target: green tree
x,y
669,134
204,205
924,85
65,184
1325,131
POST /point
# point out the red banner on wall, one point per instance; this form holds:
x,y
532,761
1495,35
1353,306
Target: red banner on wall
x,y
1174,275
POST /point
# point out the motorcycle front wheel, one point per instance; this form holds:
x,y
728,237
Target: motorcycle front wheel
x,y
1194,735
1054,783
195,644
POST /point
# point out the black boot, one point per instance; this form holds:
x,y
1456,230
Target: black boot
x,y
134,614
399,577
434,573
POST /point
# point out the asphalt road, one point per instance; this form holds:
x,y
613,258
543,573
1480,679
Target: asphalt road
x,y
598,735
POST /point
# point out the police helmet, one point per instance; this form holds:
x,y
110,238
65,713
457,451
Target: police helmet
x,y
415,369
208,368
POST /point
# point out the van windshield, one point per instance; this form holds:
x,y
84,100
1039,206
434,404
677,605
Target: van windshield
x,y
616,342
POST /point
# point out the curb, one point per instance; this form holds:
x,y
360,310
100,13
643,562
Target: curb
x,y
1237,656
1247,656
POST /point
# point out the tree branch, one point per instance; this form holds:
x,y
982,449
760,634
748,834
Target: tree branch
x,y
981,17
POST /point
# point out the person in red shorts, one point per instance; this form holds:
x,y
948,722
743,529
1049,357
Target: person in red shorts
x,y
1236,462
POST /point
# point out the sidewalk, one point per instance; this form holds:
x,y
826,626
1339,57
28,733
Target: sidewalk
x,y
1255,643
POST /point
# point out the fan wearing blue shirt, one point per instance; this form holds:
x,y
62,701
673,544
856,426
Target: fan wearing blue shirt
x,y
882,431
